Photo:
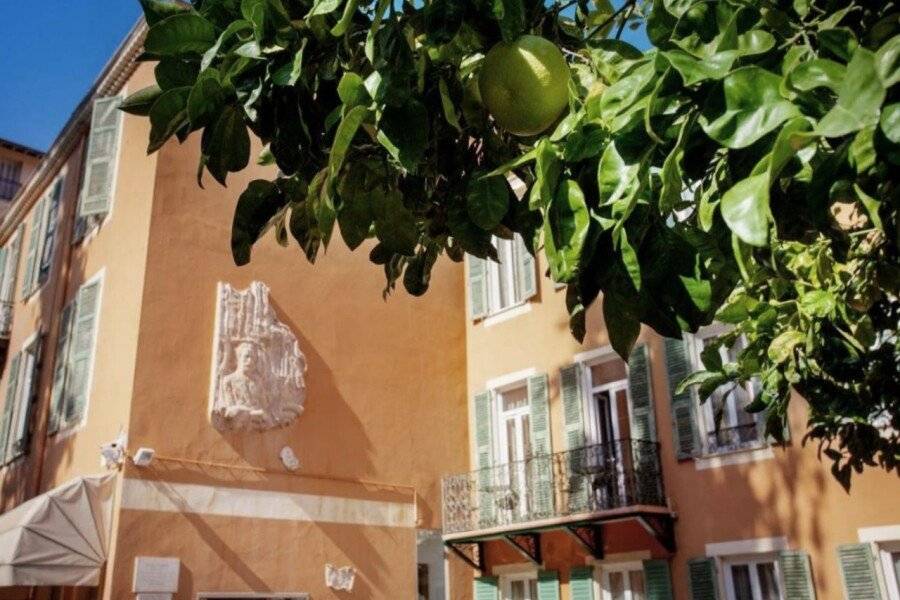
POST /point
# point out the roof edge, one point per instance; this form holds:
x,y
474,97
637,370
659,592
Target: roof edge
x,y
20,148
111,79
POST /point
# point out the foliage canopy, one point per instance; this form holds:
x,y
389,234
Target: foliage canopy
x,y
744,169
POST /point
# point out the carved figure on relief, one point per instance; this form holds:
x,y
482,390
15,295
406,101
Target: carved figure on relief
x,y
258,368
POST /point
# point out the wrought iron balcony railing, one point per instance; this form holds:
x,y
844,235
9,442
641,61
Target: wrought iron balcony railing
x,y
6,318
592,479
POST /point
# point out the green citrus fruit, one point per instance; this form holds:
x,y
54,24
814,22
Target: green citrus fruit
x,y
524,84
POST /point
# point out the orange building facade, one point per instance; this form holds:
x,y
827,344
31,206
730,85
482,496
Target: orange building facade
x,y
174,427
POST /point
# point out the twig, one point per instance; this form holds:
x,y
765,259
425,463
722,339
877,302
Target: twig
x,y
624,20
629,5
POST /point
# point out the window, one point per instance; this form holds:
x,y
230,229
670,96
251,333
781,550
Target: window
x,y
724,424
755,578
42,238
497,286
889,553
9,269
73,361
10,172
20,387
622,582
99,168
520,587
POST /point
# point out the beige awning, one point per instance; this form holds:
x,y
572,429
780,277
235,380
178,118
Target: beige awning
x,y
59,537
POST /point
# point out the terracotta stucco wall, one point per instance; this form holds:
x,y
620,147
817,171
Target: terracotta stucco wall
x,y
791,495
385,402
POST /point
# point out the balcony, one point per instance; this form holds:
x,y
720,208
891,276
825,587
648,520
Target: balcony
x,y
576,490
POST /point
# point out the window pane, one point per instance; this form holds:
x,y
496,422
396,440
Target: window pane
x,y
517,590
513,399
423,582
532,589
637,584
768,582
608,371
740,577
617,585
895,560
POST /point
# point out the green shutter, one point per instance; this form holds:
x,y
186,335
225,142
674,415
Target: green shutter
x,y
798,583
60,368
82,351
525,270
548,585
684,418
642,419
657,582
25,398
573,414
483,449
858,572
581,583
478,287
487,588
6,424
8,285
34,242
100,164
540,464
4,254
702,579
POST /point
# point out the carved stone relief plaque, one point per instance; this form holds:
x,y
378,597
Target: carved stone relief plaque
x,y
258,368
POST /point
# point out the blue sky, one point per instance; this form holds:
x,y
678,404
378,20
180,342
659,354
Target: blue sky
x,y
50,53
52,50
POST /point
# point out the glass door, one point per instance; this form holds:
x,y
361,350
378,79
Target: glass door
x,y
515,449
623,582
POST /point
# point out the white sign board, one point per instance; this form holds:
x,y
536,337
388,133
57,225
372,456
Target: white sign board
x,y
156,574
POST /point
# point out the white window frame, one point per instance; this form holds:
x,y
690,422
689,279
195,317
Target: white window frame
x,y
66,428
703,409
888,570
602,571
25,382
752,560
37,282
507,574
510,272
589,359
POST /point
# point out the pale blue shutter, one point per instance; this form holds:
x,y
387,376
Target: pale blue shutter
x,y
8,285
34,242
684,417
525,270
540,470
657,581
25,397
642,418
548,585
48,242
573,416
60,368
478,287
581,583
487,588
702,579
102,150
858,572
6,424
483,449
795,572
82,351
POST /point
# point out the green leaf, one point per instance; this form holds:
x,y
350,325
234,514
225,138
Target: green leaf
x,y
621,324
226,144
344,137
140,102
323,7
745,208
514,163
403,131
750,107
289,74
395,226
887,58
206,99
173,72
233,29
672,181
341,26
355,215
352,90
872,206
859,98
168,115
890,122
694,70
616,179
839,41
817,303
487,200
511,16
702,378
257,210
816,73
782,347
565,231
158,10
447,105
183,33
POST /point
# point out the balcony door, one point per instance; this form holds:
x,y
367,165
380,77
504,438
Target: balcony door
x,y
607,430
514,449
622,582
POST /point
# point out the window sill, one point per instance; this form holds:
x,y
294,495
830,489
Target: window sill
x,y
734,457
510,312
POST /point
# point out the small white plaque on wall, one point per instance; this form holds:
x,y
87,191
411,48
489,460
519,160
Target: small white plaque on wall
x,y
156,575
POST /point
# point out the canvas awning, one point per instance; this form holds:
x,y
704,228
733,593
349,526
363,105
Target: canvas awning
x,y
59,537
